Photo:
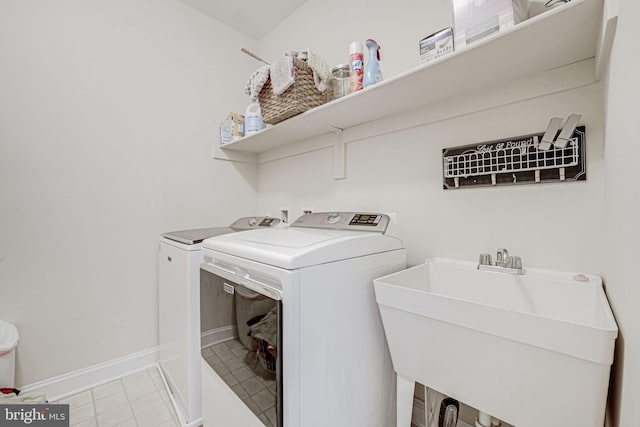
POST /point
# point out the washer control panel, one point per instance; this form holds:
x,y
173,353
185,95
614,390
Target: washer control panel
x,y
364,221
370,220
249,222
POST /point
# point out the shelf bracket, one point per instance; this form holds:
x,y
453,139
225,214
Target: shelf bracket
x,y
606,37
338,155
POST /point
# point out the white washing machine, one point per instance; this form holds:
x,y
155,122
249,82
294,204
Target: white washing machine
x,y
328,357
180,255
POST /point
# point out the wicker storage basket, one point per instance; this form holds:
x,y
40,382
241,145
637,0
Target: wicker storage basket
x,y
301,96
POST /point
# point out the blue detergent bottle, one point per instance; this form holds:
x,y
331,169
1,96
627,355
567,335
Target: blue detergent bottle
x,y
372,72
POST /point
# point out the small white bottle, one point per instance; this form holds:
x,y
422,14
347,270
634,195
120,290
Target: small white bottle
x,y
253,119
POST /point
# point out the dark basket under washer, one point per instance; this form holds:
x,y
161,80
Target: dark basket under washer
x,y
301,96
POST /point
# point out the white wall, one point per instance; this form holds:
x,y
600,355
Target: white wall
x,y
108,115
622,246
549,225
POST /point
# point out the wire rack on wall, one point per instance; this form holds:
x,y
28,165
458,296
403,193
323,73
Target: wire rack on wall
x,y
514,161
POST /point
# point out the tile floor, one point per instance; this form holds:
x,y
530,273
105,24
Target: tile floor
x,y
138,400
240,369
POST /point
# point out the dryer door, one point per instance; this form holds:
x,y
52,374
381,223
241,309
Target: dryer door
x,y
243,317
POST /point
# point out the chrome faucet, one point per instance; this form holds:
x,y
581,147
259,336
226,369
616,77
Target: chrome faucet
x,y
501,257
504,263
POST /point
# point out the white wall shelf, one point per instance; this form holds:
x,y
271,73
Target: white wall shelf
x,y
557,38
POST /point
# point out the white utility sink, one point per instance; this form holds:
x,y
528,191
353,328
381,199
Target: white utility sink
x,y
533,349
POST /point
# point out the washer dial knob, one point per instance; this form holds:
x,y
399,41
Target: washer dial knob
x,y
333,218
253,221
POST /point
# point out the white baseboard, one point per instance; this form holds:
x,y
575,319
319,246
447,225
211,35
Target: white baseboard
x,y
59,387
214,336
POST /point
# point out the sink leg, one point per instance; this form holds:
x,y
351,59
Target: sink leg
x,y
405,401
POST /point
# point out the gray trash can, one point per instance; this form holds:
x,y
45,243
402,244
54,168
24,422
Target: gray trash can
x,y
9,339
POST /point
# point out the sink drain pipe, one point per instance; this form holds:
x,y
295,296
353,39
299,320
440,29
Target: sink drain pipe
x,y
483,420
486,420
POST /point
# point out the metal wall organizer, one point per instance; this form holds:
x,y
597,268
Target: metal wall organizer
x,y
528,159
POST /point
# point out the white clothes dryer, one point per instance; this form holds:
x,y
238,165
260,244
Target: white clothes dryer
x,y
180,255
323,341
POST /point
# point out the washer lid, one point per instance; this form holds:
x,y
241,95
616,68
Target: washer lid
x,y
297,247
193,237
